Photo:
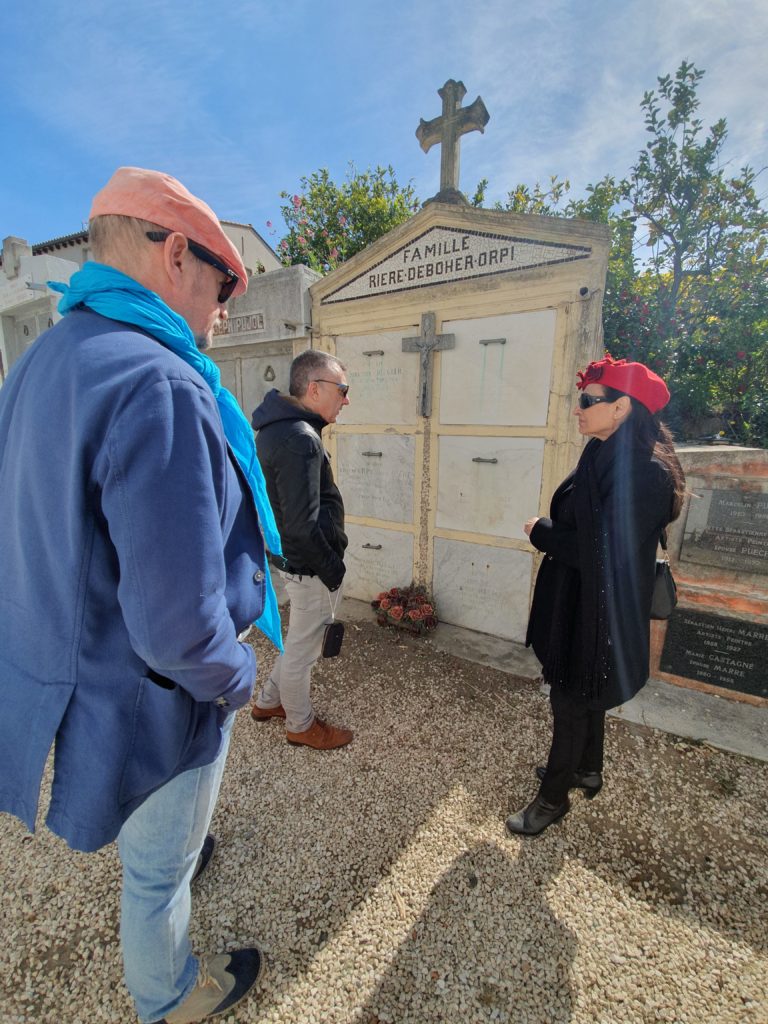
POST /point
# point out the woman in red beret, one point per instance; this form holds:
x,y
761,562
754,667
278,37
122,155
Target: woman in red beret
x,y
590,617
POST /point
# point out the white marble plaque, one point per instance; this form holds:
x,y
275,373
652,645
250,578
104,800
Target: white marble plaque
x,y
376,560
260,375
489,484
375,475
482,588
499,371
384,380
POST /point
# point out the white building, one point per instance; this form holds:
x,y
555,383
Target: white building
x,y
28,306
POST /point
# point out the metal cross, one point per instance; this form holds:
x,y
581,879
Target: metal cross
x,y
425,343
447,129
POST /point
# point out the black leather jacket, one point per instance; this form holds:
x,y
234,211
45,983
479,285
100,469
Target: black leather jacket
x,y
307,504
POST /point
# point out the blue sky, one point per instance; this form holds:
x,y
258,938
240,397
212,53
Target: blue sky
x,y
241,99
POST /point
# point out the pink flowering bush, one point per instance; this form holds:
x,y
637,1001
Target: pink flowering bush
x,y
409,608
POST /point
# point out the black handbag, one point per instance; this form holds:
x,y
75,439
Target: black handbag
x,y
664,587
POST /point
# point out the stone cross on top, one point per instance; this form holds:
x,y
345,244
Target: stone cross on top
x,y
447,129
425,343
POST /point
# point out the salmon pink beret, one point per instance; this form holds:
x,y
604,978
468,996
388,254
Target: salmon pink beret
x,y
634,379
162,200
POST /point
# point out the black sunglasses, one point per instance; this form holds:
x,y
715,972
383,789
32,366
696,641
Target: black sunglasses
x,y
204,256
587,401
343,388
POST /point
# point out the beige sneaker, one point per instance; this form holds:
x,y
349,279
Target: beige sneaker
x,y
222,981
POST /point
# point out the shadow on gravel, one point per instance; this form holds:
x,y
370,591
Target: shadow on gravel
x,y
478,952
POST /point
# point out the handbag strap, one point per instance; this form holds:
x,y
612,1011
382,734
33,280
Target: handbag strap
x,y
334,604
663,538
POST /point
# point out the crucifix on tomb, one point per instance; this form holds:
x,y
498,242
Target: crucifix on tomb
x,y
447,129
424,344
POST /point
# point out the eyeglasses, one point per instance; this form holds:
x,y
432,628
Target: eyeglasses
x,y
343,388
587,401
225,290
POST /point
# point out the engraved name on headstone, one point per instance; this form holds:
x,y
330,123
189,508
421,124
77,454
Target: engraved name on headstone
x,y
240,324
375,475
728,528
383,384
730,653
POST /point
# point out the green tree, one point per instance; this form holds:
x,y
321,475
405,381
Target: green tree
x,y
707,234
328,223
686,287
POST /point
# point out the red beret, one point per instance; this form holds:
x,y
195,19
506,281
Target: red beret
x,y
634,379
162,200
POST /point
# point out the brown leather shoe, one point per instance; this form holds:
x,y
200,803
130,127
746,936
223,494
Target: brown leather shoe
x,y
320,736
264,714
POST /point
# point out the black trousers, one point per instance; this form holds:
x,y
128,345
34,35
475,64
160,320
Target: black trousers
x,y
578,736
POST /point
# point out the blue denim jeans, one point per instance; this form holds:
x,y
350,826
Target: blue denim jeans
x,y
158,846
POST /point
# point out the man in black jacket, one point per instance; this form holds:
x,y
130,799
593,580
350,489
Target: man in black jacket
x,y
310,517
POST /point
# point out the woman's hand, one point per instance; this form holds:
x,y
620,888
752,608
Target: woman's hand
x,y
529,525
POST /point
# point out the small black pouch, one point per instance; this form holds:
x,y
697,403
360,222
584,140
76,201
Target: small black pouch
x,y
332,639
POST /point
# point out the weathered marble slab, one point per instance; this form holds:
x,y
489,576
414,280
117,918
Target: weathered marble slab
x,y
376,560
495,495
728,528
482,588
375,475
383,379
485,381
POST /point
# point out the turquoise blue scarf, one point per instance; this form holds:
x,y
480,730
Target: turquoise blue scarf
x,y
115,295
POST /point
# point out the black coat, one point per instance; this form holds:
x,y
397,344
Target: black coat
x,y
307,504
635,503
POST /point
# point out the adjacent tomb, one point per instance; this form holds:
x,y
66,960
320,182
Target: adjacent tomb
x,y
717,637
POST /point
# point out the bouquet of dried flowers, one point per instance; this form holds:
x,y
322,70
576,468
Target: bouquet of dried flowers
x,y
410,608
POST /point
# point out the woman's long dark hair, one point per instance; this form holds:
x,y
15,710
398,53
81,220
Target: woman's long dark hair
x,y
654,435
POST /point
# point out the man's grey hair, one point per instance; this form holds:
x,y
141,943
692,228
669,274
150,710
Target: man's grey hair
x,y
114,238
306,367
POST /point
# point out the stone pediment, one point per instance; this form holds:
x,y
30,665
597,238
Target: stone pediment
x,y
442,245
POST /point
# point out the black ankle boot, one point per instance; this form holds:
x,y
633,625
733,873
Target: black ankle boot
x,y
537,816
590,782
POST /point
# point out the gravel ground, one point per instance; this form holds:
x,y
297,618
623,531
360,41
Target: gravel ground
x,y
382,886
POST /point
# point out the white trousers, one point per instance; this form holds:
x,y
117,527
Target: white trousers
x,y
289,681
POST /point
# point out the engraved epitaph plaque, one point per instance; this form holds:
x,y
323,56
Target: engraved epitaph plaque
x,y
375,475
730,653
383,380
728,529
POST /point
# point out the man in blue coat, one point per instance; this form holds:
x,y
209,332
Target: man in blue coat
x,y
131,561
